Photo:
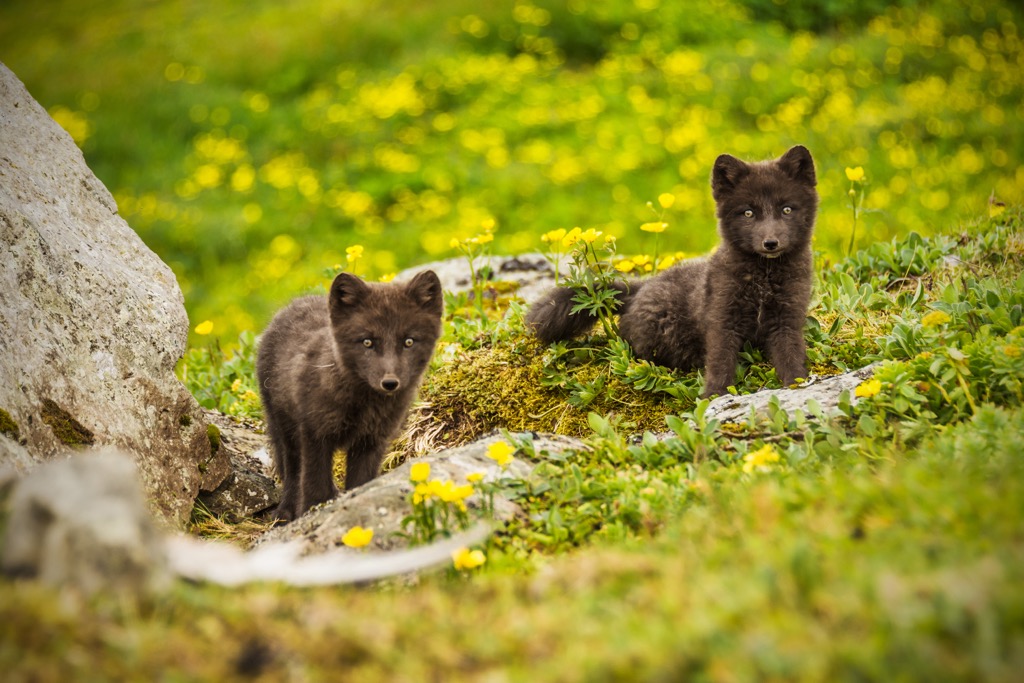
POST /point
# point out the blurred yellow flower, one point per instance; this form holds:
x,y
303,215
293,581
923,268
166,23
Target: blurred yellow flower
x,y
666,262
553,236
501,453
590,235
625,266
455,243
464,558
761,459
1011,350
483,238
204,328
855,175
387,277
357,537
475,477
571,237
419,471
655,227
666,200
868,389
935,318
354,253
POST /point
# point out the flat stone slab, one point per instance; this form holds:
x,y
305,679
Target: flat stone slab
x,y
825,391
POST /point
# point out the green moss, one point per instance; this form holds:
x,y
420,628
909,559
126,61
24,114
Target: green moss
x,y
185,420
8,426
213,433
502,387
65,427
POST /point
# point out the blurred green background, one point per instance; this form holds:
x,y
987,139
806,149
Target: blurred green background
x,y
249,143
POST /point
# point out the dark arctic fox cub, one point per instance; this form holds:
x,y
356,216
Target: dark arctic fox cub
x,y
755,287
339,372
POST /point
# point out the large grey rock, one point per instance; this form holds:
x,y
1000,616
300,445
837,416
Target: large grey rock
x,y
91,321
82,523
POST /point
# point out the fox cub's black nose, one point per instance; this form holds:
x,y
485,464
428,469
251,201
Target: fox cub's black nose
x,y
389,384
770,245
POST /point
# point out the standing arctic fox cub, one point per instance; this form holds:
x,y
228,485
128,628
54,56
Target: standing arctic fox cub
x,y
755,287
339,372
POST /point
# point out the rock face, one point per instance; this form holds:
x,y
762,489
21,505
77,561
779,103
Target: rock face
x,y
83,523
91,321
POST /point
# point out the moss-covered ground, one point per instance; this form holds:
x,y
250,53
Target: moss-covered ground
x,y
882,544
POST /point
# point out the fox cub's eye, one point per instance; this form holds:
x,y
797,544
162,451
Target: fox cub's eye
x,y
409,342
368,343
786,211
748,213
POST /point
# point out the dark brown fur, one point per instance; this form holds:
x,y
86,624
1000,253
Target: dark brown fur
x,y
340,372
755,287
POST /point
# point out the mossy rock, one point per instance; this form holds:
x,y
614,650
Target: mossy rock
x,y
213,432
65,427
8,426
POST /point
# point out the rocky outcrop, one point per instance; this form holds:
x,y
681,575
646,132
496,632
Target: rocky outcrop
x,y
91,321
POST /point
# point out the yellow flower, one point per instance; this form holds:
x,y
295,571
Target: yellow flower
x,y
419,471
455,243
354,253
421,493
483,238
995,209
357,537
387,277
501,453
464,558
475,477
655,227
666,200
666,262
1011,350
204,328
553,236
935,318
868,388
571,237
590,235
855,175
761,459
625,266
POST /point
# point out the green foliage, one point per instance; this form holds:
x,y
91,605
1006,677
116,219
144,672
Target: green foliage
x,y
225,381
249,175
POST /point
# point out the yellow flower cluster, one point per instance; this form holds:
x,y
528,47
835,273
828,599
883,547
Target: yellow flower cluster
x,y
868,389
935,318
446,491
760,460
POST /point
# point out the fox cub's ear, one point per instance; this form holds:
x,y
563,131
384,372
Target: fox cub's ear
x,y
727,172
425,289
346,291
798,165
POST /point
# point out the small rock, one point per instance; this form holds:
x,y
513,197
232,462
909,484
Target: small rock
x,y
83,523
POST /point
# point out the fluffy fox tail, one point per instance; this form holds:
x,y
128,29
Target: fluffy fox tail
x,y
551,320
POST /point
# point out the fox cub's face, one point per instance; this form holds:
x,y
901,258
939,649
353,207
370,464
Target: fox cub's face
x,y
766,208
385,333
